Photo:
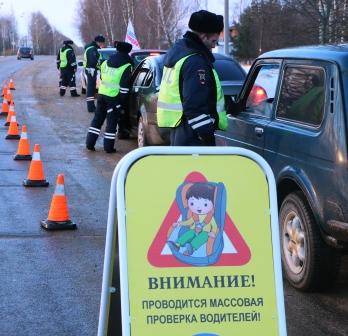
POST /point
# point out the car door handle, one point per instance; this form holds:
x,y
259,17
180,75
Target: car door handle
x,y
258,131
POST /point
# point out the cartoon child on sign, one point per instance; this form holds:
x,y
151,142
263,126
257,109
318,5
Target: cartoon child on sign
x,y
193,238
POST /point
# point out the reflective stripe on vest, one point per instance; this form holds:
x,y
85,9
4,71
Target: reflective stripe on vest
x,y
85,56
220,103
63,58
169,105
110,79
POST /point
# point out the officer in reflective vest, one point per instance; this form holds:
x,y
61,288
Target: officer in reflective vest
x,y
191,101
91,58
113,93
66,63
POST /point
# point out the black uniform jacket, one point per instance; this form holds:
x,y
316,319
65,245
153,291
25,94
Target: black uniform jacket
x,y
92,55
72,65
115,61
197,83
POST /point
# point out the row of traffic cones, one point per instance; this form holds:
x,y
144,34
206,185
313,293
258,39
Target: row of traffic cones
x,y
58,216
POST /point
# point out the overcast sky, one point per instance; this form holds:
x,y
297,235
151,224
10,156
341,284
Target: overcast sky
x,y
63,14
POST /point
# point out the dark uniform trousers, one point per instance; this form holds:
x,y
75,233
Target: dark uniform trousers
x,y
106,109
184,135
67,78
91,88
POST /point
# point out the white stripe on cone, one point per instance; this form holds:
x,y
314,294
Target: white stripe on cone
x,y
60,190
36,156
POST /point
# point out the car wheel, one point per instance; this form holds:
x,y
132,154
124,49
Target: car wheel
x,y
308,263
141,133
83,90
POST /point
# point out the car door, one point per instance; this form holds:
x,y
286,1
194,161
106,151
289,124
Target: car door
x,y
248,128
137,81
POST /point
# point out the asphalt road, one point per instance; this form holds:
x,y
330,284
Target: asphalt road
x,y
50,282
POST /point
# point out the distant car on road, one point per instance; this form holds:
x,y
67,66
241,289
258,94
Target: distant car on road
x,y
293,111
25,52
136,55
146,81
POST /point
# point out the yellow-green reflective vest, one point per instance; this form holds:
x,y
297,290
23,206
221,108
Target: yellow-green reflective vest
x,y
110,79
63,58
85,56
169,105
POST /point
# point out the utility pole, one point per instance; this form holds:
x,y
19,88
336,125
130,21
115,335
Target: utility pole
x,y
226,28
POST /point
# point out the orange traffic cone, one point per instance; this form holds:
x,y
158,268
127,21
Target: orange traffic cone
x,y
23,151
5,107
8,119
11,85
36,176
4,90
58,216
13,133
9,96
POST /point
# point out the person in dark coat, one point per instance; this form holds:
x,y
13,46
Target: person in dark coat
x,y
115,74
197,109
66,63
91,59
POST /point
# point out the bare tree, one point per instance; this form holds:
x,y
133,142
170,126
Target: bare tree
x,y
328,17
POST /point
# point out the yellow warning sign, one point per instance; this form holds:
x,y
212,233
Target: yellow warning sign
x,y
199,247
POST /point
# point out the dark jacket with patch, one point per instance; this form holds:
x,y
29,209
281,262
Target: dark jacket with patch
x,y
197,83
92,55
71,58
115,61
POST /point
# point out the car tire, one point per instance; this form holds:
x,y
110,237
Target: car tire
x,y
83,91
308,263
141,133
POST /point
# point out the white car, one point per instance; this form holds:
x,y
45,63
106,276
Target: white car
x,y
105,54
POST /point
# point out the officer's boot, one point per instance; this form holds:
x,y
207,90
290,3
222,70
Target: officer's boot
x,y
109,142
90,104
73,92
62,91
92,137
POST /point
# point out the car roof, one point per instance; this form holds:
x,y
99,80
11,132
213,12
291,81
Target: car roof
x,y
107,49
332,53
141,51
218,56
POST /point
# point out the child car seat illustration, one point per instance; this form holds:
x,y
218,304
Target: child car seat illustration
x,y
210,251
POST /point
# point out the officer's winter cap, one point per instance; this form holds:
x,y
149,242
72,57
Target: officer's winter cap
x,y
68,42
123,47
206,22
99,38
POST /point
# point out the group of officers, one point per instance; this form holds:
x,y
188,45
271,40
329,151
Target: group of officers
x,y
190,101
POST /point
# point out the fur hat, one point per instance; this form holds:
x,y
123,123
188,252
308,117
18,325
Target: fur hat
x,y
68,42
123,46
99,38
206,22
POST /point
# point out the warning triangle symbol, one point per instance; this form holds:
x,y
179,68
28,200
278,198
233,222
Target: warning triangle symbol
x,y
235,251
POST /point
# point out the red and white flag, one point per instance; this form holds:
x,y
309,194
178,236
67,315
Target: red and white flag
x,y
130,36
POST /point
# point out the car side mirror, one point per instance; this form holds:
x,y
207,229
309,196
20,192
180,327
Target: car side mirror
x,y
232,106
80,63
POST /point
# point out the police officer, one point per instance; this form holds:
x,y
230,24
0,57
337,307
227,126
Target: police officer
x,y
66,63
90,63
113,93
191,101
124,123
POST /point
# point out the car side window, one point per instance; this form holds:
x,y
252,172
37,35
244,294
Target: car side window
x,y
302,95
261,94
144,75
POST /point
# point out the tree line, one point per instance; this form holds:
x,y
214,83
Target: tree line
x,y
272,24
157,23
262,26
